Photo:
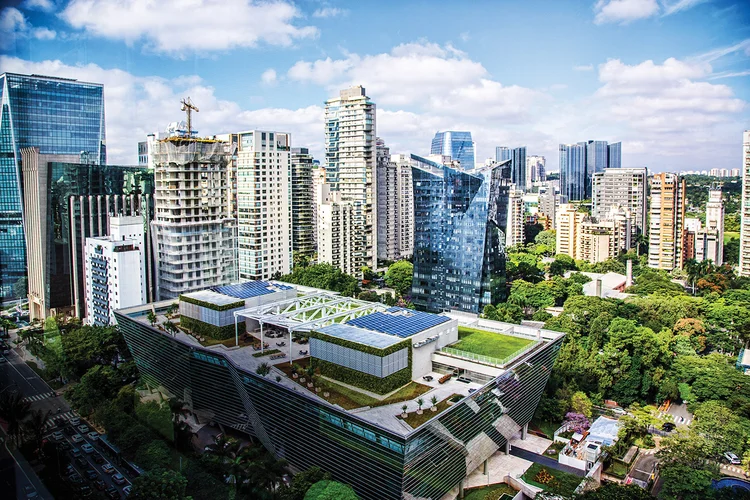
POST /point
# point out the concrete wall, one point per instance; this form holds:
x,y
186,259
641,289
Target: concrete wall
x,y
422,356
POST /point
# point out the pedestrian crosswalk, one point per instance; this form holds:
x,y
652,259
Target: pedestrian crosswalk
x,y
668,417
65,416
39,397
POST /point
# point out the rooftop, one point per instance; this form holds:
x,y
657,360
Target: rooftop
x,y
399,321
250,289
360,335
211,297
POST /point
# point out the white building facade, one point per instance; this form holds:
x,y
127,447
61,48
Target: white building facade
x,y
624,188
744,269
514,230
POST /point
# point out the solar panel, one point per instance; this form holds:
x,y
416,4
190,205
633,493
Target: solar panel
x,y
249,289
399,321
358,335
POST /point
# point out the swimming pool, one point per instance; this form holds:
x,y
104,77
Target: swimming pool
x,y
730,482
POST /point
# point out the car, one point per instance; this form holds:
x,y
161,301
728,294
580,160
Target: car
x,y
83,428
75,478
85,491
69,469
732,458
81,462
93,435
100,485
76,438
30,492
98,458
472,391
63,445
87,448
3,360
618,411
113,493
118,478
668,426
58,421
58,436
107,468
75,421
75,452
91,474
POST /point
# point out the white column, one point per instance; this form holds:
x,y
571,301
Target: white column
x,y
261,336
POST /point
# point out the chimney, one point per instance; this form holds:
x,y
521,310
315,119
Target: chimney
x,y
628,273
598,287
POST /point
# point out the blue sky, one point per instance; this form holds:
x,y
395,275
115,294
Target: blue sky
x,y
668,78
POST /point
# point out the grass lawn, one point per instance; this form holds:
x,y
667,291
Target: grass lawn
x,y
617,469
415,420
728,235
548,428
552,480
494,345
492,492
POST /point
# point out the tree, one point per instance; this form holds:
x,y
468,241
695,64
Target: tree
x,y
324,276
36,426
154,455
576,422
580,403
151,317
302,482
369,296
263,369
330,490
548,239
159,485
99,384
20,288
561,264
612,491
399,277
14,409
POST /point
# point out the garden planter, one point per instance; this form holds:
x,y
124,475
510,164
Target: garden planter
x,y
433,409
326,394
419,412
295,376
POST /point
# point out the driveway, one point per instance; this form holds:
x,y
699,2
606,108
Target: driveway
x,y
643,468
546,461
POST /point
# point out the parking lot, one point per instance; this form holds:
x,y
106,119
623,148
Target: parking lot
x,y
85,463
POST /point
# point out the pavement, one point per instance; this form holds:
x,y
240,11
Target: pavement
x,y
552,463
643,467
678,414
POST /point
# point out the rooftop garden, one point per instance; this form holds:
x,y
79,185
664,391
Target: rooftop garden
x,y
493,492
551,480
490,344
414,419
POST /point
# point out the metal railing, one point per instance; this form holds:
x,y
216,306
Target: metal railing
x,y
488,360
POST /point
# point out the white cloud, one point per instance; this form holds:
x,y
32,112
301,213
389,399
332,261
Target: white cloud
x,y
679,5
177,26
465,36
43,34
14,27
620,78
268,77
330,12
43,5
587,67
624,11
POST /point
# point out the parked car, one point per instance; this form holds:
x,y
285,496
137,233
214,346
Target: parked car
x,y
668,426
70,430
85,491
91,474
58,436
75,421
75,478
69,469
113,493
87,448
76,438
83,428
618,411
63,445
126,490
108,468
93,435
75,452
732,458
118,478
98,458
100,485
30,492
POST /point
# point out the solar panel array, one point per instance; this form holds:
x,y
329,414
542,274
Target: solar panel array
x,y
358,335
399,321
249,289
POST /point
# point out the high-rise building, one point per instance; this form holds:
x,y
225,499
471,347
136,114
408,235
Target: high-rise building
x,y
351,174
535,169
709,244
458,145
194,234
264,221
666,221
518,168
66,201
388,206
59,116
460,220
318,179
744,269
549,201
514,234
621,187
115,270
303,217
735,172
502,153
568,220
588,238
579,162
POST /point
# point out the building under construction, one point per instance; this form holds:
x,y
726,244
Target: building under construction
x,y
194,234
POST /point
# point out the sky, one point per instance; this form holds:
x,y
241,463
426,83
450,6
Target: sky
x,y
670,79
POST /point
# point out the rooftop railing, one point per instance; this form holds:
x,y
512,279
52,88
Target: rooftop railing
x,y
488,360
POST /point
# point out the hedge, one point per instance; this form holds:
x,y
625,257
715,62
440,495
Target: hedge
x,y
364,380
213,307
205,329
363,348
267,352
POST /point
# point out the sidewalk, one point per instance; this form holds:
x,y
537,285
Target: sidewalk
x,y
24,473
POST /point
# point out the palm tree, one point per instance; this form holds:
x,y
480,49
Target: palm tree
x,y
433,400
36,426
263,369
403,409
420,402
151,317
267,472
14,409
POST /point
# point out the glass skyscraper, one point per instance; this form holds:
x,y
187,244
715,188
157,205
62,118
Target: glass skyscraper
x,y
57,115
502,153
458,145
518,168
579,162
459,236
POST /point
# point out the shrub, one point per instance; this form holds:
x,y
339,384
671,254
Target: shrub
x,y
213,307
364,380
205,329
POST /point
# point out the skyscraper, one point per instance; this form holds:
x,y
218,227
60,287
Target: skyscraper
x,y
514,234
744,269
502,153
58,116
666,221
350,172
709,244
518,168
621,187
535,169
614,155
458,145
460,220
303,221
263,198
579,162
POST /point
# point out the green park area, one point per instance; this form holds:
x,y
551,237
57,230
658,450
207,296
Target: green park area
x,y
486,343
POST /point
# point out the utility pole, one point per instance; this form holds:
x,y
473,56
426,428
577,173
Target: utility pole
x,y
188,107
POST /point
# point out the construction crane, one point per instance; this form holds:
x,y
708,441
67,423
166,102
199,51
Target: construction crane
x,y
189,107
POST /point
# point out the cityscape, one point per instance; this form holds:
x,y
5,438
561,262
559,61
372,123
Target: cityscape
x,y
413,274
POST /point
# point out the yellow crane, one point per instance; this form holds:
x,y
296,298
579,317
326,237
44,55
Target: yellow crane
x,y
188,107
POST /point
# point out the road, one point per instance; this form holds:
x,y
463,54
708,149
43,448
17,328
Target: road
x,y
16,474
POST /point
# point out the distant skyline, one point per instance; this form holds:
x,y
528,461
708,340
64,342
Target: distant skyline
x,y
670,79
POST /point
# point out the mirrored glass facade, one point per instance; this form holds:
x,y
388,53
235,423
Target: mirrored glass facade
x,y
459,236
59,116
307,431
458,145
579,162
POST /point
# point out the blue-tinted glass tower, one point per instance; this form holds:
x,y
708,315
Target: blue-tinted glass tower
x,y
614,157
457,145
579,162
502,153
518,168
58,116
459,236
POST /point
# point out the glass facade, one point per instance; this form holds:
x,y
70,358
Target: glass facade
x,y
303,237
518,168
458,145
307,431
579,162
459,236
502,153
59,116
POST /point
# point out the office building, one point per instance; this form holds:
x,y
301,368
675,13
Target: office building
x,y
59,116
66,201
460,220
535,169
516,217
380,456
666,221
351,174
579,162
388,203
625,188
303,216
744,267
549,200
458,145
318,179
405,190
502,153
195,237
709,240
115,270
518,168
264,220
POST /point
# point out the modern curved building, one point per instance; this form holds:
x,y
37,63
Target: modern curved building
x,y
458,145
